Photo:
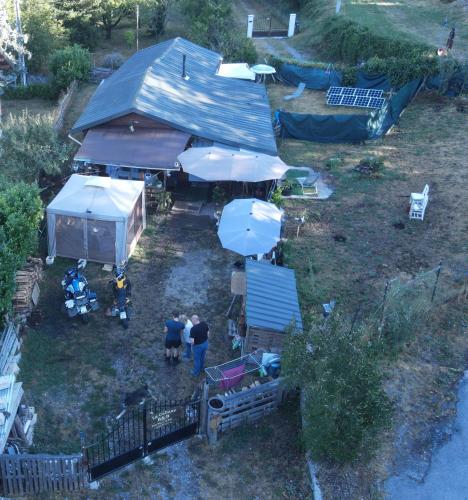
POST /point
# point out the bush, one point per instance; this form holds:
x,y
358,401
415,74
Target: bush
x,y
70,63
39,90
277,197
344,402
130,38
20,215
114,60
30,146
371,166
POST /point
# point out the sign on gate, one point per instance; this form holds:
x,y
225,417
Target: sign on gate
x,y
140,432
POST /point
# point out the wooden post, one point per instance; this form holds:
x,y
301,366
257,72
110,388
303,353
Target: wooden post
x,y
436,281
292,25
382,317
202,428
250,22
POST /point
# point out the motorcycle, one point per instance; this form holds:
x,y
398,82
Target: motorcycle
x,y
122,291
79,299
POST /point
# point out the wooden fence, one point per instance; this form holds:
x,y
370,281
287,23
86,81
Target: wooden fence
x,y
229,411
63,106
33,474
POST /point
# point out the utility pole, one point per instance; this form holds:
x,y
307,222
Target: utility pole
x,y
22,63
137,23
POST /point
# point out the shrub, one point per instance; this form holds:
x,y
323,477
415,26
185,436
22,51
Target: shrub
x,y
70,63
277,197
130,38
344,403
39,90
371,166
30,146
20,215
114,60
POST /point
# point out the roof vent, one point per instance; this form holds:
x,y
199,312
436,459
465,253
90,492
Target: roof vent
x,y
184,74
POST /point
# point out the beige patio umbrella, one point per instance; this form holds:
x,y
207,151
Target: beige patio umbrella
x,y
223,164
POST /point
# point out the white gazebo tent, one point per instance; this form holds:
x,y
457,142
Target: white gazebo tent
x,y
96,218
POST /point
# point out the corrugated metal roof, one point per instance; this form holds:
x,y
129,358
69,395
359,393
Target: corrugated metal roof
x,y
272,300
225,110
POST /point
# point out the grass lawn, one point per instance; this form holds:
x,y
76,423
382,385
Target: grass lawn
x,y
16,107
352,243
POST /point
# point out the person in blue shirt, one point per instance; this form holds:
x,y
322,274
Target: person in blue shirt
x,y
173,330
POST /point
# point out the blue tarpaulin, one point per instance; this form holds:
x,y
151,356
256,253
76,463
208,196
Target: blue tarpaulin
x,y
314,78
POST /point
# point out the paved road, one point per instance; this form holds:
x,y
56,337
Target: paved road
x,y
447,478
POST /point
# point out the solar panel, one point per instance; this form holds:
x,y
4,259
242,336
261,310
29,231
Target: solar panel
x,y
348,100
334,100
362,102
375,93
376,102
334,90
348,91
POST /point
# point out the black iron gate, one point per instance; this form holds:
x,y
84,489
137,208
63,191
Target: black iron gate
x,y
269,26
140,432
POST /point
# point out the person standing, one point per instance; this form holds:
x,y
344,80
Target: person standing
x,y
186,336
199,337
173,330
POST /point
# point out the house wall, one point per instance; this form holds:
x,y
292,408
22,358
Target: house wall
x,y
139,121
268,340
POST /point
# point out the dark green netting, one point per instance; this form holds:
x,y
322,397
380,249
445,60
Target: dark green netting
x,y
367,81
314,78
346,128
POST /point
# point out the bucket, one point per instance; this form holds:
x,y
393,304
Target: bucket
x,y
215,404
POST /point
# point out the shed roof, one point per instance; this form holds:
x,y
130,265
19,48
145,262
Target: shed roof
x,y
272,300
100,198
144,148
150,83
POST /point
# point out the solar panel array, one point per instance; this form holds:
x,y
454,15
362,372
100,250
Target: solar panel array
x,y
350,96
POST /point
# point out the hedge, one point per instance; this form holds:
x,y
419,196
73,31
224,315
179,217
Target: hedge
x,y
20,216
40,90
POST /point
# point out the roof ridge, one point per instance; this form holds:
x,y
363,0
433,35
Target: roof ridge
x,y
155,61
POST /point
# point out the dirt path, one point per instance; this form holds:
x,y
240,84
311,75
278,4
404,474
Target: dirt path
x,y
278,47
75,375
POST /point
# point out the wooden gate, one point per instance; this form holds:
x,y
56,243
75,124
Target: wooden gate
x,y
269,26
34,474
140,432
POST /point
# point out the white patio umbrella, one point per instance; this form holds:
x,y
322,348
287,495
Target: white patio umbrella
x,y
250,226
223,164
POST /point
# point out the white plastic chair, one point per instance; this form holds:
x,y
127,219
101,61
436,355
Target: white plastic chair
x,y
418,203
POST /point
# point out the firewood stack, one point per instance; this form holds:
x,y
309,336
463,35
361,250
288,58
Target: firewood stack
x,y
27,289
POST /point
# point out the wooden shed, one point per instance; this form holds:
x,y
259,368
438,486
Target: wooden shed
x,y
271,306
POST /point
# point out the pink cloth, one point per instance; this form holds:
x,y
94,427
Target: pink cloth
x,y
232,376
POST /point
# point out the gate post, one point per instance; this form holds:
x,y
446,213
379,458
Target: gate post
x,y
145,431
250,21
292,24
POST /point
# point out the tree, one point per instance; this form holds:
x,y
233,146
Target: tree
x,y
157,16
70,63
111,12
12,43
344,403
212,24
80,18
30,146
45,29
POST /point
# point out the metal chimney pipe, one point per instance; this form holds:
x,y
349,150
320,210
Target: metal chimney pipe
x,y
184,57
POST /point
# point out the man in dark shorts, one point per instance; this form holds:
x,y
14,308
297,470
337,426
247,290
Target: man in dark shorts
x,y
199,336
173,330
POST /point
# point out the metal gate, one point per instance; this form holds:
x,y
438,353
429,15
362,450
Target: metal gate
x,y
269,26
140,432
